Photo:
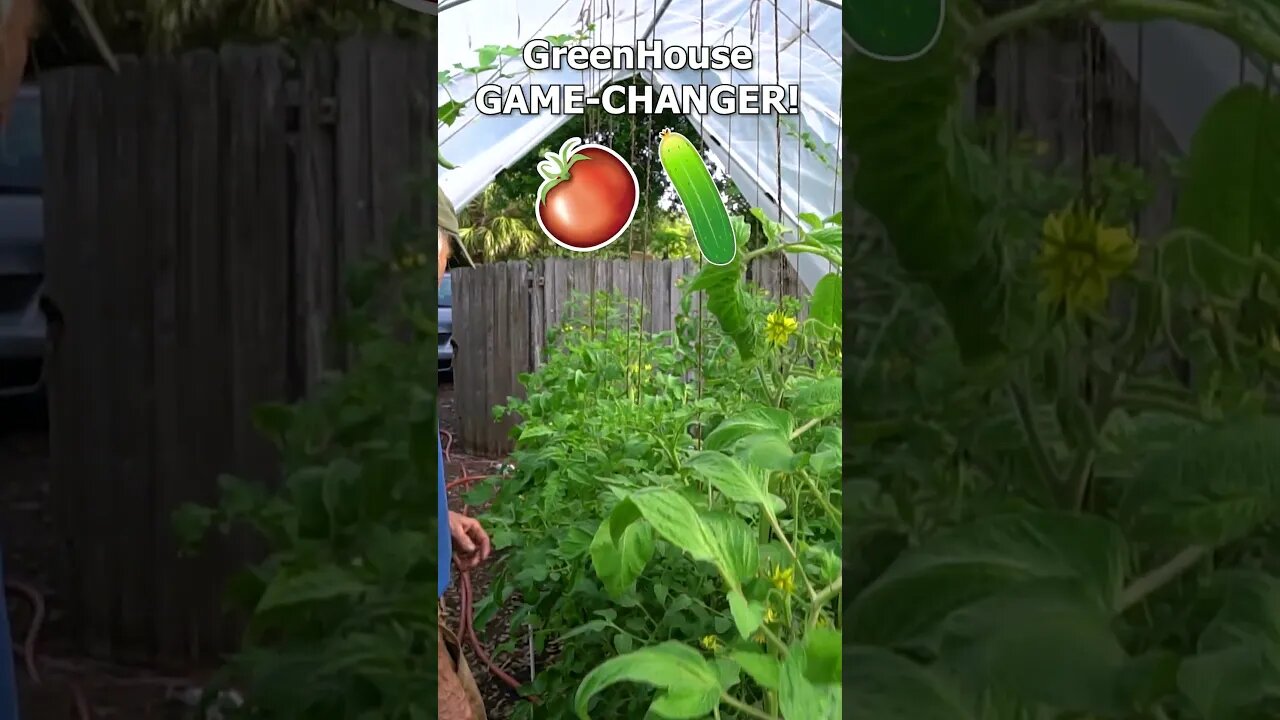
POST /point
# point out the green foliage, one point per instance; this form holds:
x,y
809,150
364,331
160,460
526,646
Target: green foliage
x,y
1081,525
341,612
711,519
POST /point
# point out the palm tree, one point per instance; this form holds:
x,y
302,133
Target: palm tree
x,y
500,227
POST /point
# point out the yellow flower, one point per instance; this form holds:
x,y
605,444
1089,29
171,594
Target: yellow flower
x,y
770,616
759,638
710,643
784,579
778,328
648,367
1079,257
822,621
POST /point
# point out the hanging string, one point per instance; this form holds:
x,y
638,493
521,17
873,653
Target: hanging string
x,y
777,146
1139,141
702,135
648,213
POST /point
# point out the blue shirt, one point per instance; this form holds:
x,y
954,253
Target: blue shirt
x,y
445,553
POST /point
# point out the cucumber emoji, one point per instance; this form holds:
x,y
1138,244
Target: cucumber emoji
x,y
700,196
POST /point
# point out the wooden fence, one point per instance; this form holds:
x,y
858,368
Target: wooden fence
x,y
502,312
200,211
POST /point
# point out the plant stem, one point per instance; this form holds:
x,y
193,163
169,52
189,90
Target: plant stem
x,y
824,596
1040,456
1160,403
777,529
773,638
832,512
744,708
1159,577
805,427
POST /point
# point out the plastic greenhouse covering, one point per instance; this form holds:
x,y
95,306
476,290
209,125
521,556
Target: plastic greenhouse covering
x,y
807,52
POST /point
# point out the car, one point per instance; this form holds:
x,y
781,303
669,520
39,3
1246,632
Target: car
x,y
22,313
444,330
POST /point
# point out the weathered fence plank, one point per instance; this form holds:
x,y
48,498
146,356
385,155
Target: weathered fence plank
x,y
195,244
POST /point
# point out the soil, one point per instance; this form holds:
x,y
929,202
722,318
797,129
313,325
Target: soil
x,y
499,698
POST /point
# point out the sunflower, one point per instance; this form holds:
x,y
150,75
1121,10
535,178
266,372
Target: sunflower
x,y
778,328
1080,256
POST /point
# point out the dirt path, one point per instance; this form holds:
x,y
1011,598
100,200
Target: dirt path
x,y
499,698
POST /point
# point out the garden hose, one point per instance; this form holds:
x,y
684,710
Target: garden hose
x,y
28,648
466,614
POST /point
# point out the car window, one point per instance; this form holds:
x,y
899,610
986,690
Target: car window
x,y
446,292
20,162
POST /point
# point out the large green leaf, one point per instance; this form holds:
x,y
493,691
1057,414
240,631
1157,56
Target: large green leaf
x,y
727,294
1232,189
618,564
733,480
928,583
758,418
897,122
325,582
717,538
809,681
1238,660
1043,645
826,304
882,685
689,685
1211,486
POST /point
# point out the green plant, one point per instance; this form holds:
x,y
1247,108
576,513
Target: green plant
x,y
341,612
1062,460
746,579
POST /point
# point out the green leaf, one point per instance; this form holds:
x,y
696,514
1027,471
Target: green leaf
x,y
727,296
1232,189
826,304
883,684
671,516
735,482
905,180
619,563
768,451
824,658
689,687
830,453
820,399
762,668
1237,663
798,695
1210,487
747,616
952,570
754,419
735,545
1043,645
326,582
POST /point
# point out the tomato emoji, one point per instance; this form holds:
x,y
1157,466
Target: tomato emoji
x,y
588,196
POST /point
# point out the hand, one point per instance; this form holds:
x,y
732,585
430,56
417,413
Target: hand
x,y
470,542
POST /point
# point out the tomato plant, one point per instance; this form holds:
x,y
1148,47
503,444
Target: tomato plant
x,y
686,539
